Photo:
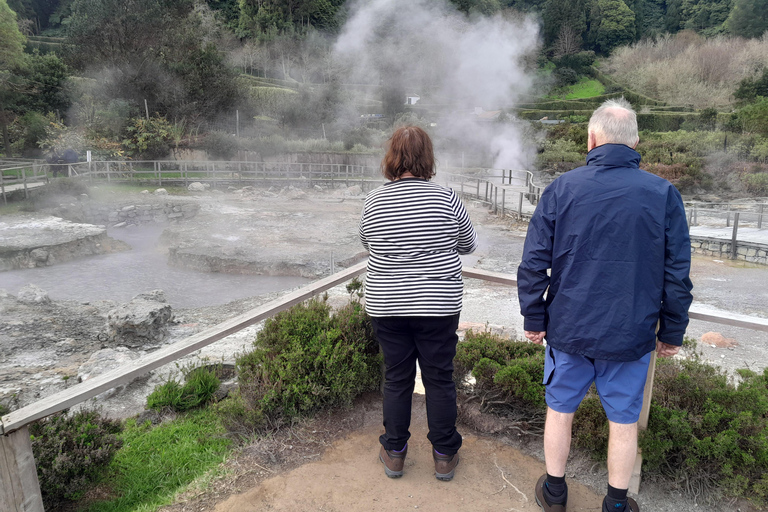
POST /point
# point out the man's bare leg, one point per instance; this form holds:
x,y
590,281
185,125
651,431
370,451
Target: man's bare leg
x,y
557,441
622,451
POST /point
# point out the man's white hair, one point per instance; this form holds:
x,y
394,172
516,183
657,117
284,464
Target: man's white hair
x,y
614,122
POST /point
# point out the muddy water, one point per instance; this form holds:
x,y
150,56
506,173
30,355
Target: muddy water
x,y
121,276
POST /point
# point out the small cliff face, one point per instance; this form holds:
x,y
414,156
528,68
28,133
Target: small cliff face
x,y
37,241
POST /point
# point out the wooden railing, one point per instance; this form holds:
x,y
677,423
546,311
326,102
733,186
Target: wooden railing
x,y
19,487
22,177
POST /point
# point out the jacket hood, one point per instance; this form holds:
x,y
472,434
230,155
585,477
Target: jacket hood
x,y
613,155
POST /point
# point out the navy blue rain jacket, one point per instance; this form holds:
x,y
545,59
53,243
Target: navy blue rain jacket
x,y
615,239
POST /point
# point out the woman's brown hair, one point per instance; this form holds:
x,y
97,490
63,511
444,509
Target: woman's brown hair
x,y
409,150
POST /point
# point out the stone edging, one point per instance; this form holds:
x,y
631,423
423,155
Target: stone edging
x,y
745,251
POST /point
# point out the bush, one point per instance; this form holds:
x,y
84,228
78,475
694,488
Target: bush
x,y
72,452
757,183
704,428
559,150
516,368
305,359
148,138
221,145
199,388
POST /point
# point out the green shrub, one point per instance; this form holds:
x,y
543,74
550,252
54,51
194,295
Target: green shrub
x,y
305,359
198,389
516,368
148,138
221,145
703,427
71,452
560,150
711,429
757,183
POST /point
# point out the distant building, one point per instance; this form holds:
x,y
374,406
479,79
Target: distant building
x,y
412,99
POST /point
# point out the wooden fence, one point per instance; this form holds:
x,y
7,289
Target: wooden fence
x,y
19,486
23,177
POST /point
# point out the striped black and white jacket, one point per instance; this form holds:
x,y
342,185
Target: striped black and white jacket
x,y
415,230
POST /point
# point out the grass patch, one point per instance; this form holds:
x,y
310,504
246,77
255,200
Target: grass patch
x,y
156,463
584,88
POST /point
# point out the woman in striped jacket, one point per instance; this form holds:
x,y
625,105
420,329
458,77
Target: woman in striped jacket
x,y
415,230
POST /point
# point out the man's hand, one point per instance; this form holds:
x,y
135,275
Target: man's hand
x,y
664,349
536,336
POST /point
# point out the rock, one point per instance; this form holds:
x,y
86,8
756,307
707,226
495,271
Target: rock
x,y
161,192
142,321
145,191
354,190
716,339
31,294
197,187
294,193
103,361
39,255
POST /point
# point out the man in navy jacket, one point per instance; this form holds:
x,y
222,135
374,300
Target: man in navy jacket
x,y
606,261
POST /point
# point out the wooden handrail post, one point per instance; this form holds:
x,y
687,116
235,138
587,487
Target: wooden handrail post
x,y
642,424
733,236
19,486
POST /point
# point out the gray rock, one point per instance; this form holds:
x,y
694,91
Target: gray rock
x,y
142,321
39,255
197,187
31,294
103,361
161,192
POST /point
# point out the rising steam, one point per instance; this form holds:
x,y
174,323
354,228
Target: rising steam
x,y
454,63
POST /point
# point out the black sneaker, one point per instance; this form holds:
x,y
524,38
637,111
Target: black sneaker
x,y
542,501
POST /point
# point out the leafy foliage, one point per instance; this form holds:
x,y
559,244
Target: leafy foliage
x,y
72,452
515,368
198,389
221,145
149,138
305,359
709,428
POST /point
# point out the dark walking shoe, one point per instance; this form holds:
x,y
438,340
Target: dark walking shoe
x,y
445,465
393,461
542,501
632,506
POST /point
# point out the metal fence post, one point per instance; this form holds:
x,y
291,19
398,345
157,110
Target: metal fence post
x,y
733,237
520,207
760,217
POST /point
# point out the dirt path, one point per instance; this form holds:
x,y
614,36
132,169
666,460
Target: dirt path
x,y
349,477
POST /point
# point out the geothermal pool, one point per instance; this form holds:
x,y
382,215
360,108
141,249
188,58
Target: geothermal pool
x,y
121,276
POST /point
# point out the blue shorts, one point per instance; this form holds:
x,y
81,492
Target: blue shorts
x,y
620,385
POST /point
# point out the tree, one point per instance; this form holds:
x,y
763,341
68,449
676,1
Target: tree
x,y
749,18
45,75
560,13
567,42
11,59
613,24
161,51
754,117
705,15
